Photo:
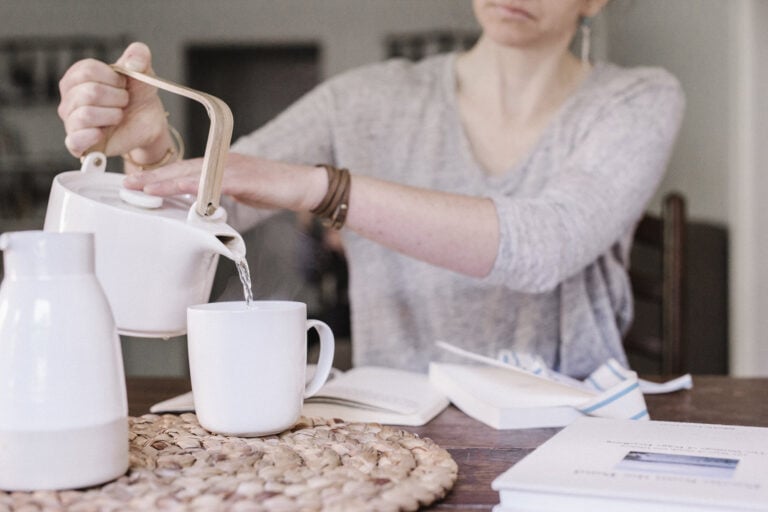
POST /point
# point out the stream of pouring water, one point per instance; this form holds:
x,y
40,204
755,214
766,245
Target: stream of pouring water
x,y
245,278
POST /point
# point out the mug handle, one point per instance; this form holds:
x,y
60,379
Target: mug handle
x,y
325,360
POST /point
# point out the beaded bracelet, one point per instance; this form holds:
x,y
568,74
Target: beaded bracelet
x,y
177,151
334,206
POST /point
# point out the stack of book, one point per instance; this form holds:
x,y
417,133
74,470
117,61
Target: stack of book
x,y
597,464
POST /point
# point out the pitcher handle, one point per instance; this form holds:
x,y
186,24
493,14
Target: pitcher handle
x,y
217,145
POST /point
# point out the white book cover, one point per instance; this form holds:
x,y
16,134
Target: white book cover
x,y
636,466
505,400
521,392
366,394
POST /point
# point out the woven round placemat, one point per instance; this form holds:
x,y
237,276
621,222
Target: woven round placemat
x,y
319,464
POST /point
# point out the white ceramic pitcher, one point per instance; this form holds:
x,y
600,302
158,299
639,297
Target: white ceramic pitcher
x,y
154,257
63,407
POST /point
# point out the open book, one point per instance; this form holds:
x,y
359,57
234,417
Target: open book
x,y
610,464
378,395
366,394
522,393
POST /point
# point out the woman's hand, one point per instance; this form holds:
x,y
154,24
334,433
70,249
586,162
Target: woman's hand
x,y
104,109
250,180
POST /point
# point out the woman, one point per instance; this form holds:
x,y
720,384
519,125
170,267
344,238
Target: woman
x,y
493,194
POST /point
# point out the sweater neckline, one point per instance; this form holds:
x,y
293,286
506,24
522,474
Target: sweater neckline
x,y
513,173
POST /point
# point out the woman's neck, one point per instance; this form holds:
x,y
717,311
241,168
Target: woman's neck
x,y
507,96
518,83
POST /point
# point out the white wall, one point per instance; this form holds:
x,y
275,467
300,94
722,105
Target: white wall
x,y
757,362
749,218
719,51
689,38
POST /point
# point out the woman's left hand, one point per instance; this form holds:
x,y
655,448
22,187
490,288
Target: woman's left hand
x,y
250,180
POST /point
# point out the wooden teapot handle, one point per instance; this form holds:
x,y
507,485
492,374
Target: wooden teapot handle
x,y
217,145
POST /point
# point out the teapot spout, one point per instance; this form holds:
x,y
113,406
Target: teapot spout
x,y
218,236
230,246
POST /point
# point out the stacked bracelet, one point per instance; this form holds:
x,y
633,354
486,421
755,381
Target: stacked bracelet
x,y
172,154
334,206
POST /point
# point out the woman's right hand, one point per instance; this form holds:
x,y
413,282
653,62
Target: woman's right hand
x,y
104,109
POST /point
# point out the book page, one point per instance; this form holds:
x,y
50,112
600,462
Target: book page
x,y
382,395
502,388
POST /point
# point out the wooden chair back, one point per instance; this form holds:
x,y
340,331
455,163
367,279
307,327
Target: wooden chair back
x,y
660,286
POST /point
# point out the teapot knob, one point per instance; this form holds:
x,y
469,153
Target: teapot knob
x,y
140,199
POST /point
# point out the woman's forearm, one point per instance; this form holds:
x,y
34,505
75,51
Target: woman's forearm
x,y
452,231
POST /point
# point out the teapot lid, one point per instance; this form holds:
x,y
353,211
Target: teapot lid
x,y
92,182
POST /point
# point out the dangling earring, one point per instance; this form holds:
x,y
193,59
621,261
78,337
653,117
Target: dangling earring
x,y
586,36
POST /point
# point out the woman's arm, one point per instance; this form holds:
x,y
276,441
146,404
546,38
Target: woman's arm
x,y
529,244
608,179
453,231
457,232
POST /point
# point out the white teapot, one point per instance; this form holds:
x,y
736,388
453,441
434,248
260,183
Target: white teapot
x,y
154,256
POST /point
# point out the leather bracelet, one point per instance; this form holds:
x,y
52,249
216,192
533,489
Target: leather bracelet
x,y
177,150
334,206
339,215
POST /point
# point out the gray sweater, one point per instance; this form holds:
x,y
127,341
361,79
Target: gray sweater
x,y
559,287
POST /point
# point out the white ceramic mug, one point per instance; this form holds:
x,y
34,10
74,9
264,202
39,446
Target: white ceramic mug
x,y
248,364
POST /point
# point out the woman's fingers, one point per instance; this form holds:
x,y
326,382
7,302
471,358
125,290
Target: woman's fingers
x,y
249,180
177,178
173,187
89,70
79,141
136,57
92,97
88,94
102,107
91,116
182,177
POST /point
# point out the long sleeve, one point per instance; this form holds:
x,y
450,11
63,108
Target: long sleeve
x,y
606,182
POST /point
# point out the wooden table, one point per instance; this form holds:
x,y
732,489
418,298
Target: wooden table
x,y
482,453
